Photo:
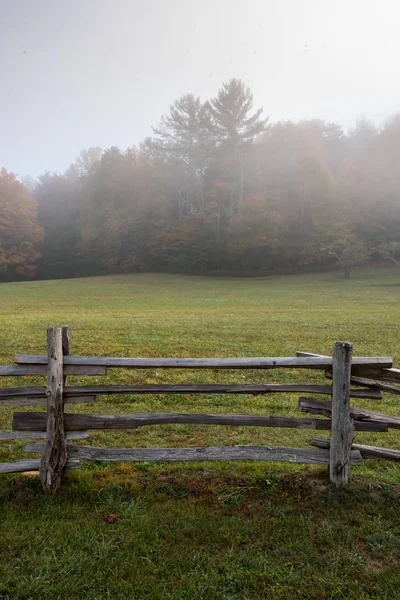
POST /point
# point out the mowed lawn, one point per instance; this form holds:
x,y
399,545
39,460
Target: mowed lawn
x,y
234,530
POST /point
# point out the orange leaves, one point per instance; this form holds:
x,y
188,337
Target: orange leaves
x,y
19,231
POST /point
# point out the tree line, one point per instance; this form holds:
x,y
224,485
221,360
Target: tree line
x,y
216,189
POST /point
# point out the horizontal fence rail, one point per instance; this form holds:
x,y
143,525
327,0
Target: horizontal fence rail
x,y
389,375
385,374
298,455
41,369
318,407
31,434
256,390
312,362
365,451
26,421
21,466
41,400
378,385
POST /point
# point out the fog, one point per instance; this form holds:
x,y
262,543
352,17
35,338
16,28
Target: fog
x,y
100,73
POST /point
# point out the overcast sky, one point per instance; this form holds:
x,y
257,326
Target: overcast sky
x,y
80,73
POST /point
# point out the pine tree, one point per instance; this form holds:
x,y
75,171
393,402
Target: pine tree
x,y
183,140
227,117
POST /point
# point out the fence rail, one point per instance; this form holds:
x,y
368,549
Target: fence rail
x,y
314,361
30,421
298,455
254,390
57,427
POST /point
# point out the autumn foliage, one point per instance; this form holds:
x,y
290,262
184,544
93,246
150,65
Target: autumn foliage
x,y
218,188
20,234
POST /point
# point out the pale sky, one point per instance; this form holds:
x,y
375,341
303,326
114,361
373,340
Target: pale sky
x,y
80,73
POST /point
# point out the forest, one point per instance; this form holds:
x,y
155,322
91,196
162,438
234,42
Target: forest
x,y
217,189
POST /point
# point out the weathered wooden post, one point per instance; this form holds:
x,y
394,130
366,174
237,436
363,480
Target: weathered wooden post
x,y
65,347
54,455
342,428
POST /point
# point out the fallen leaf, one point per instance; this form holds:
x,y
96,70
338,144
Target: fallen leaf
x,y
110,518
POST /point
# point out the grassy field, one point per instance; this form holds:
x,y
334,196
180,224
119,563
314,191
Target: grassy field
x,y
206,530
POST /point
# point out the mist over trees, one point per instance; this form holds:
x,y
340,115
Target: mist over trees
x,y
216,189
20,234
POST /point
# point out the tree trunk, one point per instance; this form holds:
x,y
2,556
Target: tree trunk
x,y
241,184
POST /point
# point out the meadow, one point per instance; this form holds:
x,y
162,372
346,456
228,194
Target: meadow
x,y
233,530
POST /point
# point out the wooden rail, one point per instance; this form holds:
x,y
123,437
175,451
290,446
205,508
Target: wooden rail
x,y
254,390
384,374
298,455
318,407
378,385
41,399
31,421
365,451
21,466
41,369
31,434
311,362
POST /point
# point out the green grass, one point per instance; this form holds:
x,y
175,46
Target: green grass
x,y
235,530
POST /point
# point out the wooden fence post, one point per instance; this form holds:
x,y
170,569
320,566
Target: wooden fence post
x,y
342,428
65,347
54,455
65,340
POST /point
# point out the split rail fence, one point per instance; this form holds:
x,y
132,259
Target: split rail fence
x,y
350,377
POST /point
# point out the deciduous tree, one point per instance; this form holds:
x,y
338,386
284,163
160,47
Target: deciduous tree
x,y
20,234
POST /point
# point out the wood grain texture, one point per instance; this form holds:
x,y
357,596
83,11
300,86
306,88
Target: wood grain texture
x,y
42,400
379,385
301,354
23,435
342,428
26,421
215,389
390,375
26,370
65,340
320,407
365,451
256,390
54,455
312,362
265,453
36,421
20,466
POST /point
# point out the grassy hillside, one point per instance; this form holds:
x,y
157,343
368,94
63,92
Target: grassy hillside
x,y
216,530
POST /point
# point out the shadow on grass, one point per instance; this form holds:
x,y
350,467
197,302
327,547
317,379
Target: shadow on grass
x,y
119,483
195,533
